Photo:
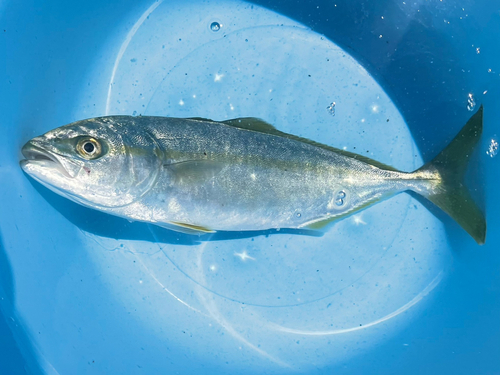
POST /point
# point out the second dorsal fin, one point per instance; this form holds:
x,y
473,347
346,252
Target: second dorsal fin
x,y
258,125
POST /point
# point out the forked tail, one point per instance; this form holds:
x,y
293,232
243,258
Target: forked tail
x,y
449,192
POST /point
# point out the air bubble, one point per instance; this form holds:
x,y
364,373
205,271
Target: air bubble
x,y
471,102
215,26
134,113
331,109
492,148
298,214
340,198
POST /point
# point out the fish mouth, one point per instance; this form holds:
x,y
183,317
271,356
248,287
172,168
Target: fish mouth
x,y
36,156
34,153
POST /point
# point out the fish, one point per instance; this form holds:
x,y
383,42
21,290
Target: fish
x,y
196,175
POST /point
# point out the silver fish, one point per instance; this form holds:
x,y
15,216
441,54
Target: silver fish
x,y
197,175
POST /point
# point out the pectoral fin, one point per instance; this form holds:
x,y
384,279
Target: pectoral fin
x,y
194,171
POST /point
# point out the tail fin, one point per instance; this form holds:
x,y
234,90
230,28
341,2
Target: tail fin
x,y
451,195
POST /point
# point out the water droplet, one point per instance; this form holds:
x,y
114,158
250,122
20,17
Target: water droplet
x,y
215,26
339,201
331,109
492,148
471,103
134,113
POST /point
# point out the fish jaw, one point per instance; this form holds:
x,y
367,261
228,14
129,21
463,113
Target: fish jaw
x,y
50,169
39,156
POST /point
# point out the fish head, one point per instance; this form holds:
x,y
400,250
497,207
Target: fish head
x,y
101,163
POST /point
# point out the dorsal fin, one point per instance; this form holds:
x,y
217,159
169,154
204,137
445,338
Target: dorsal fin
x,y
200,119
252,123
258,125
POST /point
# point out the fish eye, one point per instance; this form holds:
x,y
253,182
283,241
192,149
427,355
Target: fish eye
x,y
89,148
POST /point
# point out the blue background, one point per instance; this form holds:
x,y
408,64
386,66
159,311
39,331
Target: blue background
x,y
427,68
